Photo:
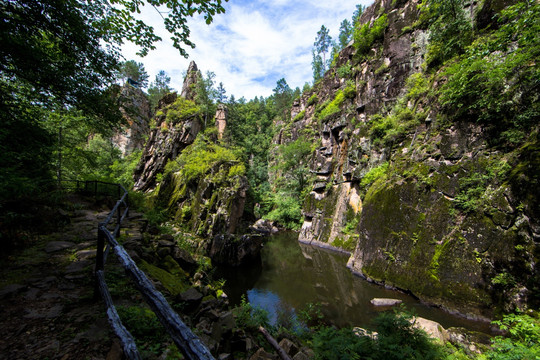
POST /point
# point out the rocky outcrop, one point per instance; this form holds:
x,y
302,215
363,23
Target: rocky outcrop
x,y
192,76
135,109
167,139
420,202
221,120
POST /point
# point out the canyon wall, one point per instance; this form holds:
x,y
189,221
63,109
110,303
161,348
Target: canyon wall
x,y
422,203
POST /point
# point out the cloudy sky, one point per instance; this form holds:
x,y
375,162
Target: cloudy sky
x,y
250,47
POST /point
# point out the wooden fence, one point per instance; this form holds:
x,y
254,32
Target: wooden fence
x,y
108,230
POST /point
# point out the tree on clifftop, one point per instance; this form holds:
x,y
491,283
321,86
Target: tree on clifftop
x,y
322,44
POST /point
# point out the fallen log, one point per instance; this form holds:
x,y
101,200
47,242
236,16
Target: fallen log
x,y
282,354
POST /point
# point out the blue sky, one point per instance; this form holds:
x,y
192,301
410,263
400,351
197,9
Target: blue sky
x,y
252,45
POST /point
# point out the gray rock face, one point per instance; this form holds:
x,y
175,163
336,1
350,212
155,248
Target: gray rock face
x,y
136,111
165,143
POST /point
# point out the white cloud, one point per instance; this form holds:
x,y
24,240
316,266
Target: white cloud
x,y
252,45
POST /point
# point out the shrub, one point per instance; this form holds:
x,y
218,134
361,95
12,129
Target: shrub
x,y
333,107
344,71
374,174
313,99
350,90
250,317
522,341
365,36
495,81
181,109
417,86
300,115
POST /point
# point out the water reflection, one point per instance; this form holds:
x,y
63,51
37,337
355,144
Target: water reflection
x,y
292,275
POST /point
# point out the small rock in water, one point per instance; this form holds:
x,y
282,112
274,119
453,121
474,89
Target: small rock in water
x,y
385,302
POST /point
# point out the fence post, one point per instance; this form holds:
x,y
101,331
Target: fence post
x,y
118,217
100,265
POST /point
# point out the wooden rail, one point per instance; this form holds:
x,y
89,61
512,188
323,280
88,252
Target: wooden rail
x,y
186,341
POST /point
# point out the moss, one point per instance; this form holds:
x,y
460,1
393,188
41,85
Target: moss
x,y
174,284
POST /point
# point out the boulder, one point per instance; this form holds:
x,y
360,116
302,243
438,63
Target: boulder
x,y
234,251
432,328
264,226
385,302
184,259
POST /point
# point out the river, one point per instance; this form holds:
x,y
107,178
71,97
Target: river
x,y
292,275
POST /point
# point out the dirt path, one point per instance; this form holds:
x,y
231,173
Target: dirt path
x,y
47,304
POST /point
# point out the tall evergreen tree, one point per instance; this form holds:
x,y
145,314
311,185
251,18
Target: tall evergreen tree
x,y
135,71
345,33
322,44
356,15
159,88
220,94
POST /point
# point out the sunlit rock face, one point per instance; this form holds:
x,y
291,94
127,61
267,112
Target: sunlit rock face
x,y
135,108
394,184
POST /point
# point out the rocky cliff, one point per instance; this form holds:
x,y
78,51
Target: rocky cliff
x,y
424,204
194,177
136,110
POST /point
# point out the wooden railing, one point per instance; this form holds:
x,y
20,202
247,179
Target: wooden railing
x,y
186,341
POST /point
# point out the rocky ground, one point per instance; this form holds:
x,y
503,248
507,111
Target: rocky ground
x,y
47,304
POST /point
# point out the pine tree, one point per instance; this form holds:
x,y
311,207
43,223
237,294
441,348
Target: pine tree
x,y
345,33
323,42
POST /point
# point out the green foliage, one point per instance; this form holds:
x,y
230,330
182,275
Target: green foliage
x,y
350,90
180,110
311,315
61,56
522,342
374,174
365,36
300,116
135,71
344,71
158,88
417,86
333,107
122,169
332,344
494,82
397,339
145,327
283,98
450,29
313,99
205,94
198,158
249,317
345,33
237,170
287,210
322,45
472,190
393,127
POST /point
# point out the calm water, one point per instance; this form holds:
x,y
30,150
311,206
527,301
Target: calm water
x,y
292,275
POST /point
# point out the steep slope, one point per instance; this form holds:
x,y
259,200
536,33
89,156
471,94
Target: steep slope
x,y
425,200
